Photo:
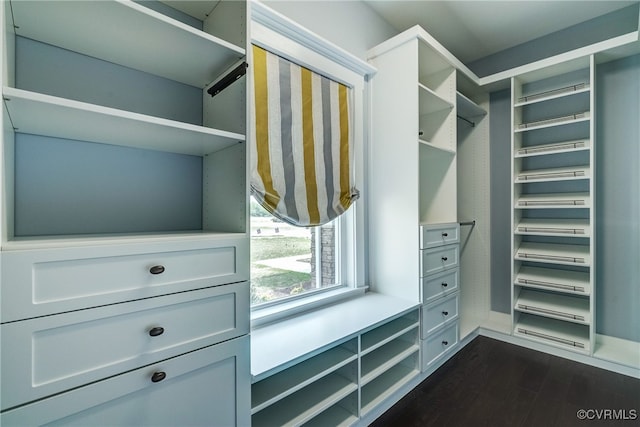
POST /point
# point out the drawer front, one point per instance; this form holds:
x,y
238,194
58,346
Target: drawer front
x,y
207,387
438,314
439,344
55,353
438,259
432,236
438,285
43,282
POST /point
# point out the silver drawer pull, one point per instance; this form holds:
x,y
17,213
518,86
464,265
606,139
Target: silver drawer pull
x,y
156,331
157,269
158,376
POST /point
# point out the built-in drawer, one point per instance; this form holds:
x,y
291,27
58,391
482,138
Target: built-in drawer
x,y
48,281
52,354
438,314
438,344
440,284
433,235
206,387
435,260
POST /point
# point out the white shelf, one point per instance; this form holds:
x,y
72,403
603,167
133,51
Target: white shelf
x,y
335,416
555,148
278,387
556,332
553,94
430,102
385,333
386,385
554,201
467,108
39,114
561,307
554,227
306,403
555,121
617,350
437,149
385,358
574,255
554,174
574,282
128,34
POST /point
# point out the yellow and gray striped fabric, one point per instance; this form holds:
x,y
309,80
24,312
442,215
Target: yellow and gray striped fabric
x,y
301,146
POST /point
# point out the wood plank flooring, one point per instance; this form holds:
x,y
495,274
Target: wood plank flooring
x,y
492,383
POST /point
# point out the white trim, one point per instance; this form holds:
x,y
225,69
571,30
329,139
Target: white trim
x,y
292,30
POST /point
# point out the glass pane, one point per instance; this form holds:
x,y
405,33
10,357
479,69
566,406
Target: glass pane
x,y
284,261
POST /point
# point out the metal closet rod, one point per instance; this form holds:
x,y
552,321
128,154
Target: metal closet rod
x,y
471,223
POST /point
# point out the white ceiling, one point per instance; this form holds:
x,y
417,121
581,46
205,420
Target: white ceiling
x,y
474,29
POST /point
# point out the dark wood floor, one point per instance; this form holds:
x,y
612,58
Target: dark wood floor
x,y
492,383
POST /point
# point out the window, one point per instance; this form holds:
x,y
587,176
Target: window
x,y
287,262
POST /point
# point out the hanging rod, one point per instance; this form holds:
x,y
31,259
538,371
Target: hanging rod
x,y
471,223
226,81
473,124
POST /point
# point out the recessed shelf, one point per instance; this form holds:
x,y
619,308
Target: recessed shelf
x,y
308,402
385,333
553,201
556,332
554,227
143,39
430,102
336,416
575,255
553,174
467,108
554,148
384,358
553,94
574,282
40,114
562,307
385,385
278,387
554,121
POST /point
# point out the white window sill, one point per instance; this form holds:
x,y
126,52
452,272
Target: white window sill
x,y
279,345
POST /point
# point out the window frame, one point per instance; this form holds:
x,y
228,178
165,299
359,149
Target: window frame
x,y
282,36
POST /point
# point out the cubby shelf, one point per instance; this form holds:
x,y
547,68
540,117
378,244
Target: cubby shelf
x,y
468,109
385,385
553,148
552,253
437,149
554,227
566,281
385,358
555,332
386,333
430,102
563,307
40,114
334,416
143,39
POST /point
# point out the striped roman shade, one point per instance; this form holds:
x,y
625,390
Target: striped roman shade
x,y
301,147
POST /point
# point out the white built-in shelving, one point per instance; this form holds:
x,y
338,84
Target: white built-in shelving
x,y
553,205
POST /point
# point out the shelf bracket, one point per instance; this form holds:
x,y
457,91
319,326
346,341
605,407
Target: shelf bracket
x,y
227,80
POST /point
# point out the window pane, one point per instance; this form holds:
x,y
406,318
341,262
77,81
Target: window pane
x,y
284,258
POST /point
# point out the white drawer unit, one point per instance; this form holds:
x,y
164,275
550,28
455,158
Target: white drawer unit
x,y
52,354
438,259
48,281
214,378
438,285
440,278
438,235
442,312
439,344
